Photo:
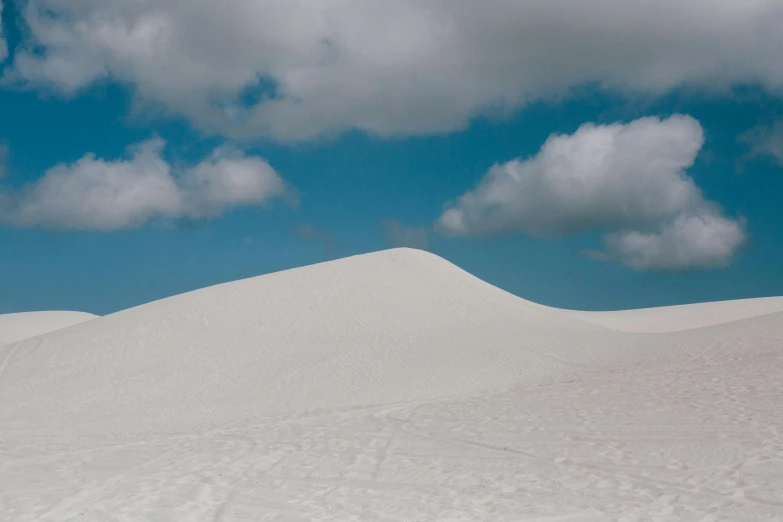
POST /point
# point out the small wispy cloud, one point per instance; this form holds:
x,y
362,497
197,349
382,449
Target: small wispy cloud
x,y
765,140
3,158
400,235
320,235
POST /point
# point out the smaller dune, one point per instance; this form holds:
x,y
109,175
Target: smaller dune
x,y
18,327
682,317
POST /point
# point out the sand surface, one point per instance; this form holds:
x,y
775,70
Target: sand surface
x,y
394,387
17,327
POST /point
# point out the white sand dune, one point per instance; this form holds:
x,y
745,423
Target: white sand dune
x,y
394,386
16,327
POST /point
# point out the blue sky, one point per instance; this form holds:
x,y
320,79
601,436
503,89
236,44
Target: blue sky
x,y
141,162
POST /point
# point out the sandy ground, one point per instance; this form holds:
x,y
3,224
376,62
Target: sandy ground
x,y
394,387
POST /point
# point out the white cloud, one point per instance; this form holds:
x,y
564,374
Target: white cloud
x,y
627,178
766,141
391,67
96,194
400,235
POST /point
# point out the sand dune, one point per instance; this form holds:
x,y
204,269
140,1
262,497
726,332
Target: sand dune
x,y
16,327
401,325
394,386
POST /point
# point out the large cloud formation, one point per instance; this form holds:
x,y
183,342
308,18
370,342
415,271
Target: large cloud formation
x,y
96,194
628,180
299,69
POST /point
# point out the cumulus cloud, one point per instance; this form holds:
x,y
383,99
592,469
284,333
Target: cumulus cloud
x,y
400,235
296,70
765,141
97,194
627,179
600,176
